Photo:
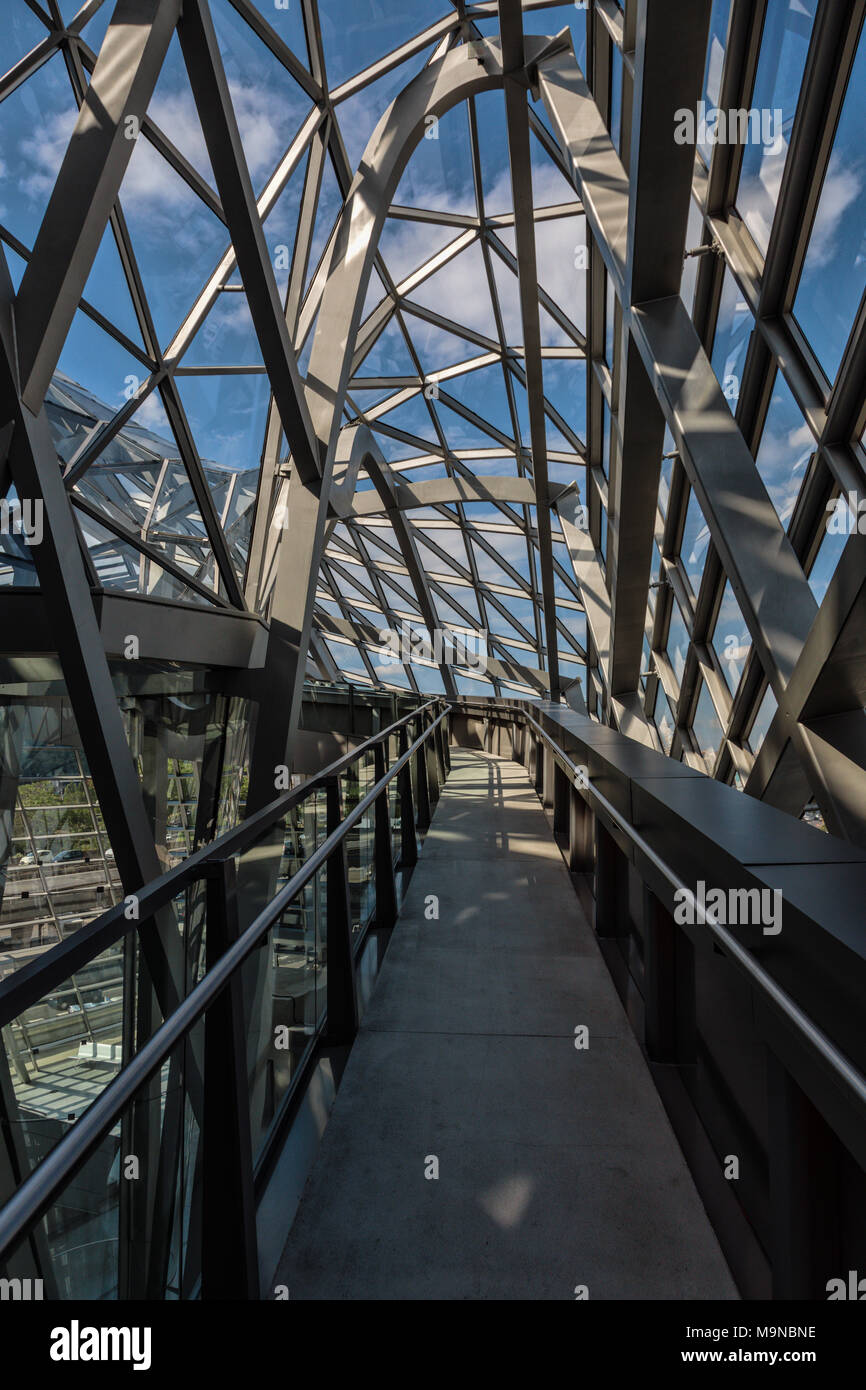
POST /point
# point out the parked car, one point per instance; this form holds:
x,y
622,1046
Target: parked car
x,y
39,856
67,856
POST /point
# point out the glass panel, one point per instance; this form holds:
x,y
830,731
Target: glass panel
x,y
730,345
664,719
678,641
609,320
690,267
784,45
786,446
615,96
715,61
106,1210
360,842
731,638
763,719
706,726
286,979
696,539
830,553
834,272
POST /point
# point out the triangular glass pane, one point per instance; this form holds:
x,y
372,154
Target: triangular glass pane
x,y
412,418
439,174
549,186
286,19
36,121
176,238
327,210
407,245
461,433
364,401
396,451
508,292
260,87
436,347
173,109
511,548
459,291
493,147
483,391
227,337
389,355
360,32
558,244
17,267
565,389
107,289
22,31
375,293
281,226
520,610
99,364
227,415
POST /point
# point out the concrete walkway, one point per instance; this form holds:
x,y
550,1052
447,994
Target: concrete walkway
x,y
557,1167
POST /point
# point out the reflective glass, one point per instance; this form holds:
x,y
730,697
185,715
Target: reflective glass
x,y
784,45
786,446
731,342
834,272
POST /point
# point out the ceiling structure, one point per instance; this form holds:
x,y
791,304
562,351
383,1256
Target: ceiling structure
x,y
421,301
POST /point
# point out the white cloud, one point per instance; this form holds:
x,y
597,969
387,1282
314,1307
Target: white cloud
x,y
842,187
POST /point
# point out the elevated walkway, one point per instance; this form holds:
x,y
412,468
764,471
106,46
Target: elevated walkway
x,y
557,1166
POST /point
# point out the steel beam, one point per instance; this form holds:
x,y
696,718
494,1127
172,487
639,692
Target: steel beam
x,y
87,185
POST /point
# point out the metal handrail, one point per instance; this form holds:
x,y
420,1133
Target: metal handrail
x,y
844,1069
30,984
38,1191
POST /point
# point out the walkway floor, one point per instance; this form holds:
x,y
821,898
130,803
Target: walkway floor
x,y
557,1167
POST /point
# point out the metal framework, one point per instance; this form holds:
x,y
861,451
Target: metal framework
x,y
344,319
495,499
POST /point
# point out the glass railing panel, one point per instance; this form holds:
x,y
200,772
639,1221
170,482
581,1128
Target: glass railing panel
x,y
62,1051
128,1223
284,980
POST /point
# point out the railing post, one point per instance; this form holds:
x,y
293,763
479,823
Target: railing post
x,y
806,1249
660,981
342,998
423,787
386,887
431,762
547,791
408,839
579,834
538,769
561,791
446,741
439,737
229,1250
607,865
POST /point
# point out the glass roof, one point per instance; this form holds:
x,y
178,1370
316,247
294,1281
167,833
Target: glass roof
x,y
440,374
162,408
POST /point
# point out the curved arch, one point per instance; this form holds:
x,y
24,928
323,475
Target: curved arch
x,y
466,71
